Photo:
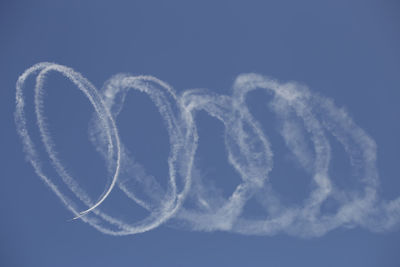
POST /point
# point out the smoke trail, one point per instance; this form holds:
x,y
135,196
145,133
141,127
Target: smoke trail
x,y
302,114
98,219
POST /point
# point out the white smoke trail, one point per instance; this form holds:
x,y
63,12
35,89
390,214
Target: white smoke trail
x,y
98,219
302,115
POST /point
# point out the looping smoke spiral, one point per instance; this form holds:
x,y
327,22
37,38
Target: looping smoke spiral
x,y
301,113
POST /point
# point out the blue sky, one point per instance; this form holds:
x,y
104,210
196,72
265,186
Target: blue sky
x,y
346,51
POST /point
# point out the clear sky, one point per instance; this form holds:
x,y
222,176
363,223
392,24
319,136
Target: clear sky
x,y
347,51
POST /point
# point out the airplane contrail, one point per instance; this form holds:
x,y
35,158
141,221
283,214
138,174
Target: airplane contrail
x,y
307,123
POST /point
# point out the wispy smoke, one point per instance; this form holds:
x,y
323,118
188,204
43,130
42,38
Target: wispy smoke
x,y
302,114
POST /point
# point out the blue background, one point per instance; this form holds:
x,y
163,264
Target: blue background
x,y
345,50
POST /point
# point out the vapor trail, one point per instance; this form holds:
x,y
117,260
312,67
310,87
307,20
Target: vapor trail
x,y
303,117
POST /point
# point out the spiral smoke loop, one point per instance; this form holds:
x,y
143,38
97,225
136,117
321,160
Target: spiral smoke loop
x,y
301,113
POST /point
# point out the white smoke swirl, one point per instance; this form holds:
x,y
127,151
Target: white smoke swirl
x,y
302,114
